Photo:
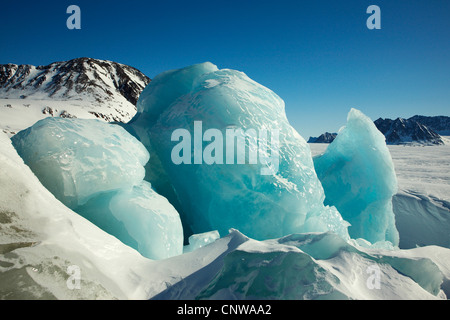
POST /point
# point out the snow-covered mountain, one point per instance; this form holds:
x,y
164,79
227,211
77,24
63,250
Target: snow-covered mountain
x,y
407,131
82,88
77,79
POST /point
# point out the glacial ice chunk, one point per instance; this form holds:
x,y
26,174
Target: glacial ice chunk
x,y
40,239
97,169
193,121
140,218
76,159
358,176
168,86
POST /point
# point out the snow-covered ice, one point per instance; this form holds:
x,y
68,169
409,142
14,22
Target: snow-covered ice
x,y
308,266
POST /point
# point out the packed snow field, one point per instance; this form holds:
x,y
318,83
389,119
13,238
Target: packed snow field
x,y
18,114
108,201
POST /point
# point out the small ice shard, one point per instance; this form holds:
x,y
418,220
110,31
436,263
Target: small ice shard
x,y
358,176
197,241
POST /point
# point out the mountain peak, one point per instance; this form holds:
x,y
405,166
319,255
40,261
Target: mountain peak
x,y
323,138
415,130
440,124
81,87
406,131
76,79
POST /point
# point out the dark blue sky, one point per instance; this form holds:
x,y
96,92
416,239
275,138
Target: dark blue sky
x,y
317,55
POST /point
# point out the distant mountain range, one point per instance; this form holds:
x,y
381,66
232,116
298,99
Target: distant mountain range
x,y
82,87
415,130
407,131
323,138
440,124
77,79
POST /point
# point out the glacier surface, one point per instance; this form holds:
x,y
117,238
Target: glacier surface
x,y
358,176
97,169
221,195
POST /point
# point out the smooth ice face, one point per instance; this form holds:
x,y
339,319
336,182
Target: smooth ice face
x,y
140,218
185,123
76,158
359,179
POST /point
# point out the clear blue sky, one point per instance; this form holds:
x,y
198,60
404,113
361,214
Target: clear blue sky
x,y
317,55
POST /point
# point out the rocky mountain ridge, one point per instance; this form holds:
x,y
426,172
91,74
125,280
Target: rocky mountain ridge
x,y
79,88
417,130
